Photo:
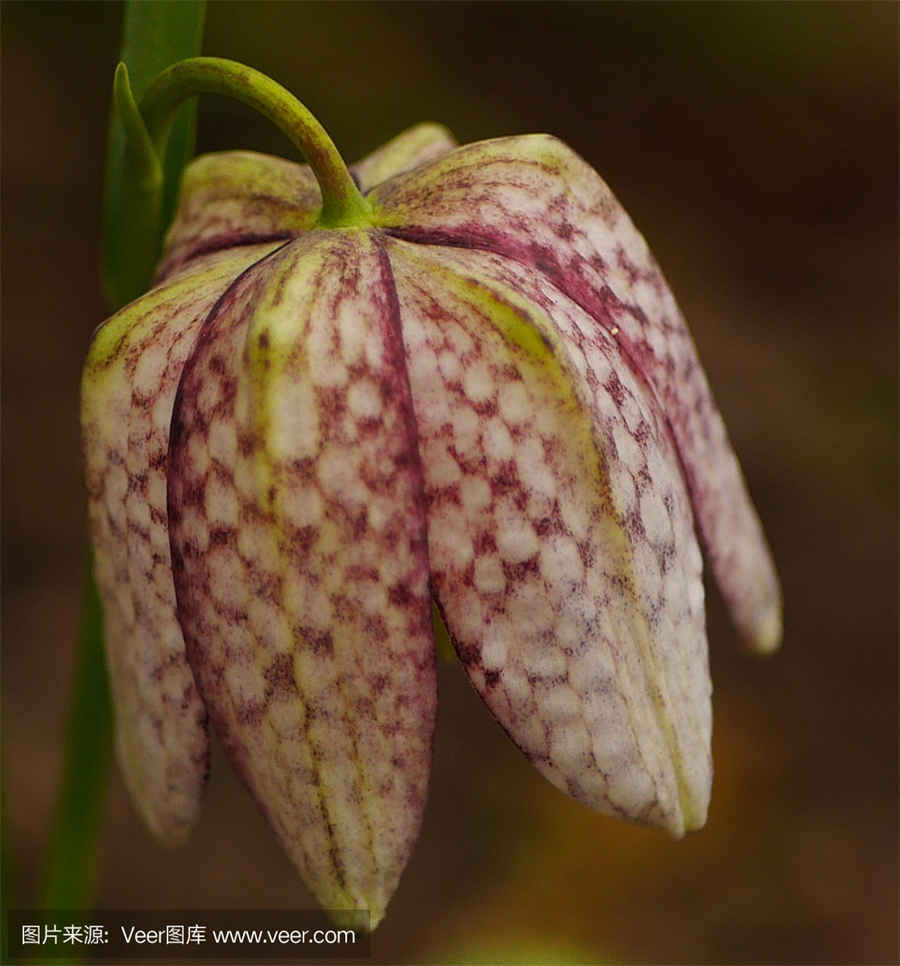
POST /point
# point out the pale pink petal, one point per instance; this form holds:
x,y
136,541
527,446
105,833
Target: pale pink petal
x,y
300,560
128,389
560,535
533,199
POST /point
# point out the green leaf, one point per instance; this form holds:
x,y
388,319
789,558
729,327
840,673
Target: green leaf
x,y
70,873
155,35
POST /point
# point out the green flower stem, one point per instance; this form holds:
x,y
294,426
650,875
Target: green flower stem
x,y
342,202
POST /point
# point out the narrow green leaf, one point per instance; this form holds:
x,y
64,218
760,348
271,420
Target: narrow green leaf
x,y
70,872
155,35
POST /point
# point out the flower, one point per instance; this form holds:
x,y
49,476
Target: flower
x,y
477,391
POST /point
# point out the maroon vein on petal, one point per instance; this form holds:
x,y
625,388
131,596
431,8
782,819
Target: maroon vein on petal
x,y
300,560
534,200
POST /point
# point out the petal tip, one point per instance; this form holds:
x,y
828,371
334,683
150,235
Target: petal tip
x,y
765,636
770,634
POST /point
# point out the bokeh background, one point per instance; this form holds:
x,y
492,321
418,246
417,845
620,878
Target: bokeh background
x,y
755,145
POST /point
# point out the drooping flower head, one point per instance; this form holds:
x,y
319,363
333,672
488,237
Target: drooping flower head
x,y
459,382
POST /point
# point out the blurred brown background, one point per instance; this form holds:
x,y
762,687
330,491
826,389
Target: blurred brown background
x,y
755,145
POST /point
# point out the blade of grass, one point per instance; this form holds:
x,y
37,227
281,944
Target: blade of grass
x,y
70,873
154,35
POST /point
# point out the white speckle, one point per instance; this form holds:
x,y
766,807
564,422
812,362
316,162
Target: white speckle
x,y
268,625
576,514
338,471
374,348
256,544
440,468
364,400
194,528
294,431
592,674
570,747
197,455
494,649
149,370
448,538
380,510
351,329
478,382
475,495
533,471
598,362
630,787
137,510
423,371
287,719
561,563
498,443
309,604
654,517
528,607
221,503
468,618
300,504
514,402
162,413
448,363
569,630
541,657
489,577
465,430
371,596
324,362
516,539
631,412
657,341
223,441
646,567
628,449
622,488
245,683
226,578
517,687
210,393
460,339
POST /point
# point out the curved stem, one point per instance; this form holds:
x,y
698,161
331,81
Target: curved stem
x,y
342,202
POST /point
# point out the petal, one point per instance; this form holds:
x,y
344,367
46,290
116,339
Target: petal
x,y
560,536
534,200
418,145
300,560
238,198
128,389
